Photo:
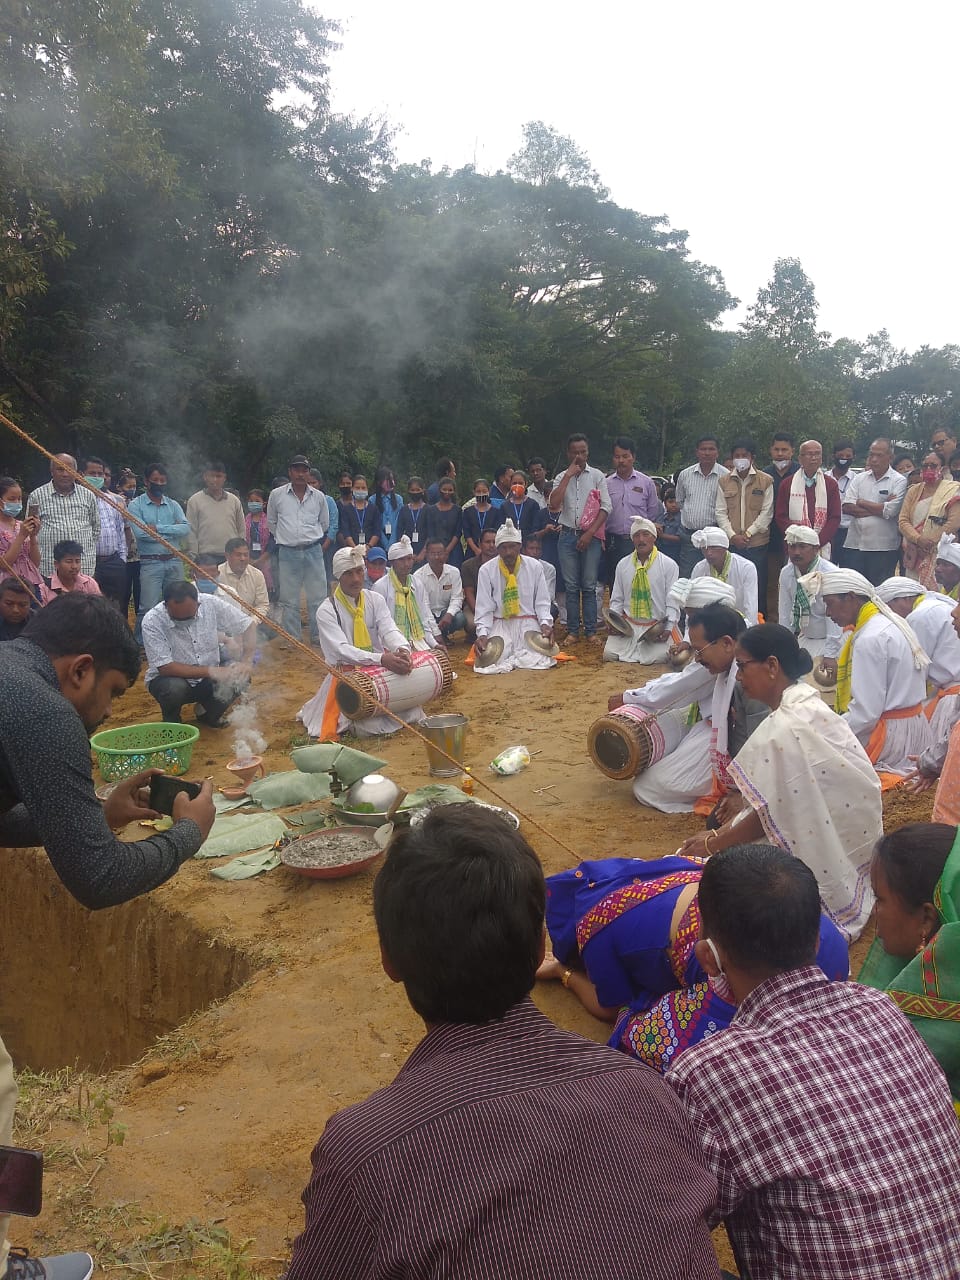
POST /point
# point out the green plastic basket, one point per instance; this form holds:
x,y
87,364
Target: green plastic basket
x,y
158,745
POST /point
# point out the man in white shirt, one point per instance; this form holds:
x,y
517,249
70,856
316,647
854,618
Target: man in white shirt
x,y
298,517
406,598
512,599
881,684
873,502
539,487
806,618
181,638
640,593
443,589
717,562
356,630
238,579
843,455
580,548
697,496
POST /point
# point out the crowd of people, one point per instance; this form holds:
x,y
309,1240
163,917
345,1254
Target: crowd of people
x,y
746,1079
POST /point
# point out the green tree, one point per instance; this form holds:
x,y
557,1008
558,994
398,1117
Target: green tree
x,y
548,156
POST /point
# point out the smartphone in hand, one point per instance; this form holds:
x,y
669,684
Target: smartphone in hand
x,y
21,1181
164,790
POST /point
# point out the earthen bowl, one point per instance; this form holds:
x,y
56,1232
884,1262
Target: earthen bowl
x,y
328,837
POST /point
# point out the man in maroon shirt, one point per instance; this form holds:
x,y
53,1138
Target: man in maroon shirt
x,y
810,497
504,1147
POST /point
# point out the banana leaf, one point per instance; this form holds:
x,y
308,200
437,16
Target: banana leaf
x,y
322,757
434,793
277,790
241,833
247,866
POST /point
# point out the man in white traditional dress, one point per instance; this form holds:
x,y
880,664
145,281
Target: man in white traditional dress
x,y
881,685
717,562
807,619
356,630
706,700
512,599
930,616
640,593
407,599
947,567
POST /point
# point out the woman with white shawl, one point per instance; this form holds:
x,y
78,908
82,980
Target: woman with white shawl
x,y
807,783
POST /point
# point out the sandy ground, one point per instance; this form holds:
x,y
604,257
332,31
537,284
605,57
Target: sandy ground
x,y
224,1132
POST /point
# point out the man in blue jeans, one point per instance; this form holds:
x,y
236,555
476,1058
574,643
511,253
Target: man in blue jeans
x,y
298,518
579,547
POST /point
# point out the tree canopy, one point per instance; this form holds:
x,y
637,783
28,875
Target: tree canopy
x,y
198,256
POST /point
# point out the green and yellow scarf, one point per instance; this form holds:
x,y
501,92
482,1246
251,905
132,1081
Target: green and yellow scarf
x,y
722,573
511,592
361,636
641,602
801,601
406,611
845,662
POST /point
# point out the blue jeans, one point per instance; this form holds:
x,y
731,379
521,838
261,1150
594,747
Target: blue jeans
x,y
580,569
301,569
154,576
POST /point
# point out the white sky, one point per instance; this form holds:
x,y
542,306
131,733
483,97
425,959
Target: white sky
x,y
826,132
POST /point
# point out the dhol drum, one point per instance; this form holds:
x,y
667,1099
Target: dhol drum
x,y
628,740
431,676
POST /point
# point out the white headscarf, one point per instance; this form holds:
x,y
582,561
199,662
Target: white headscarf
x,y
704,591
849,582
711,536
801,533
346,558
899,589
640,524
949,549
508,532
402,547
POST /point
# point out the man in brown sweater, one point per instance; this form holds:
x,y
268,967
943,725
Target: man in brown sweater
x,y
745,510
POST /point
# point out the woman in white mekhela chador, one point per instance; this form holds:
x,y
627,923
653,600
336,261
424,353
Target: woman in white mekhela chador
x,y
807,619
809,785
719,562
640,593
675,783
930,617
881,673
407,598
356,630
512,599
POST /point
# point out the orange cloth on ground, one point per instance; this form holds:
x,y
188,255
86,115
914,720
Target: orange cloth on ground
x,y
879,736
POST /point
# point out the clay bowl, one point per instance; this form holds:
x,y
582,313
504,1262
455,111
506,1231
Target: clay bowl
x,y
317,856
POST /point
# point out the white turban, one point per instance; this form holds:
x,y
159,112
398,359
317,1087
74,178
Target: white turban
x,y
402,547
848,581
704,591
641,525
508,532
711,536
949,549
801,533
346,558
899,589
679,591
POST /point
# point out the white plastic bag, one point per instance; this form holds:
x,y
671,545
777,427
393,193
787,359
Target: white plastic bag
x,y
510,761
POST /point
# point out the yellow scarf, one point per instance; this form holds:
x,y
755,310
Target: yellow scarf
x,y
361,636
511,592
406,613
641,604
845,662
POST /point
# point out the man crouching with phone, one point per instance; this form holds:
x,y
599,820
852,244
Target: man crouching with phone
x,y
57,683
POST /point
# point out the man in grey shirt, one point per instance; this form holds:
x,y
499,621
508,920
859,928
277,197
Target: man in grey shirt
x,y
697,496
579,546
298,518
68,512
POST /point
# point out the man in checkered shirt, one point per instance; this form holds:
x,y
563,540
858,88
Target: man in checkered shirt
x,y
828,1124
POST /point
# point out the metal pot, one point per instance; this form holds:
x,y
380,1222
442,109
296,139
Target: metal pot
x,y
374,789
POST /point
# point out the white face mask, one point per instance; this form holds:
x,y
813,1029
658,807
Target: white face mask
x,y
742,464
782,463
719,984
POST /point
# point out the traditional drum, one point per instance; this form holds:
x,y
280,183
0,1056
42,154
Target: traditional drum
x,y
431,676
630,739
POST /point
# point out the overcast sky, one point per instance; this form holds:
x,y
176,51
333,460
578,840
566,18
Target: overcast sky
x,y
827,132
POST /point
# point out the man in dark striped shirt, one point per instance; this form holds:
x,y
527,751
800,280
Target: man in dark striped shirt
x,y
504,1147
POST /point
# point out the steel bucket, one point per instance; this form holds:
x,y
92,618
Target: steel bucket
x,y
445,733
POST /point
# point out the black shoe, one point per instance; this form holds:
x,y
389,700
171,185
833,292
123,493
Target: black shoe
x,y
61,1266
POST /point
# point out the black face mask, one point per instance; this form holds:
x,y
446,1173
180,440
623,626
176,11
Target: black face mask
x,y
955,475
157,489
347,490
842,463
482,498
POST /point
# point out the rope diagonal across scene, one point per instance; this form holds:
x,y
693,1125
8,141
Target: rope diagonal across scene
x,y
199,571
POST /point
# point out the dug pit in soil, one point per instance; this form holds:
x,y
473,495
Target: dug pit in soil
x,y
95,989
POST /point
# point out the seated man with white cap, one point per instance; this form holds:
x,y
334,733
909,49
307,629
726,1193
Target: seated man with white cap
x,y
640,593
947,566
356,630
930,616
512,599
407,599
806,618
881,685
718,562
692,777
